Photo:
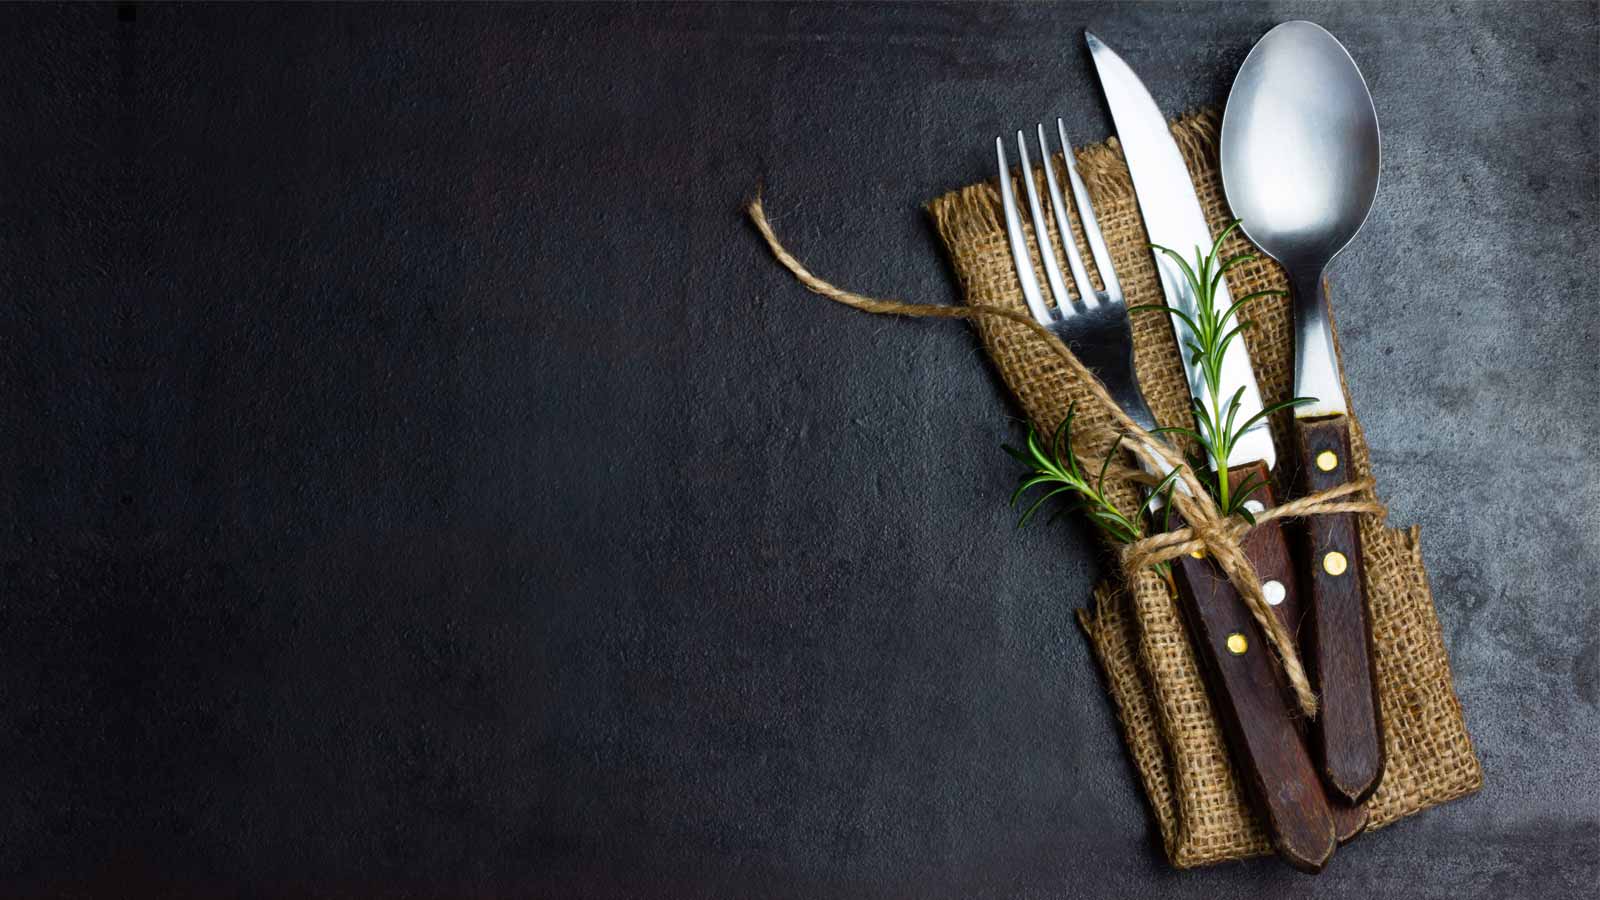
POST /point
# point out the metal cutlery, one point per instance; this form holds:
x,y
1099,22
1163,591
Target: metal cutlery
x,y
1299,152
1267,747
1173,218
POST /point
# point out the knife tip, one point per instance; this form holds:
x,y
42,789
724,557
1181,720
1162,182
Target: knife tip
x,y
1091,40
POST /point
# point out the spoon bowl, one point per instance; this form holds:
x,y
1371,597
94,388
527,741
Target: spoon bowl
x,y
1299,147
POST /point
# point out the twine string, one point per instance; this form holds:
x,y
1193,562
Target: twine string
x,y
1207,530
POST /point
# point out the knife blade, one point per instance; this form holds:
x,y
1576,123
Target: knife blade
x,y
1173,218
1279,770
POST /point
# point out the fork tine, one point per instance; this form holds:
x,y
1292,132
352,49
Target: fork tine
x,y
1019,241
1041,231
1080,275
1091,226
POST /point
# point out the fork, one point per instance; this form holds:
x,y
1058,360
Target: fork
x,y
1266,744
1096,327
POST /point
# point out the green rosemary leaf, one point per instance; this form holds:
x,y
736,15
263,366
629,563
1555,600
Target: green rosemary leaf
x,y
1017,455
1233,412
1232,261
1100,482
1249,486
1274,408
1208,423
1100,515
1216,246
1231,314
1162,490
1034,450
1179,429
1028,483
1217,278
1191,324
1227,338
1040,502
1116,524
1188,272
1061,436
1273,292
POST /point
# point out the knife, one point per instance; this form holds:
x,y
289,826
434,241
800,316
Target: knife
x,y
1264,736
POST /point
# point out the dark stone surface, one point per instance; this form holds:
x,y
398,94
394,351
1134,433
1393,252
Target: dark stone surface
x,y
417,479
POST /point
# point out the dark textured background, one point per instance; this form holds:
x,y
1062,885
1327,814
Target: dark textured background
x,y
415,475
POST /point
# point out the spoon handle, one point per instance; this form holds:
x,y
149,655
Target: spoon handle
x,y
1264,741
1348,737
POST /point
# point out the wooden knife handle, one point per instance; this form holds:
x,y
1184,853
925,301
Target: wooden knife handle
x,y
1267,548
1265,743
1348,740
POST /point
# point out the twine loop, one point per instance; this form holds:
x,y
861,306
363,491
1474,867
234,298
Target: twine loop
x,y
1207,530
1170,545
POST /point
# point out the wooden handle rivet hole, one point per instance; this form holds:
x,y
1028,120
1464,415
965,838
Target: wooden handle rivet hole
x,y
1335,563
1327,460
1273,591
1237,645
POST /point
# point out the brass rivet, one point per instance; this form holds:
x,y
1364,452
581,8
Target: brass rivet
x,y
1237,645
1335,563
1198,554
1274,591
1327,460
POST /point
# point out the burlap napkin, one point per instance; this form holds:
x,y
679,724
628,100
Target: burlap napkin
x,y
1133,624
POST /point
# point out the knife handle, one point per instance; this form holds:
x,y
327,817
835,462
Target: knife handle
x,y
1348,740
1264,741
1267,548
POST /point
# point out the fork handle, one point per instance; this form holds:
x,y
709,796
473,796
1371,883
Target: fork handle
x,y
1348,739
1265,742
1267,548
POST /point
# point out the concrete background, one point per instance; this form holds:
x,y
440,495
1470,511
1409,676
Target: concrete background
x,y
418,480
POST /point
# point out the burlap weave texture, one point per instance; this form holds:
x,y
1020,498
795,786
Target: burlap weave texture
x,y
1133,624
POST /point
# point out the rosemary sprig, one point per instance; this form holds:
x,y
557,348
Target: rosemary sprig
x,y
1059,467
1210,331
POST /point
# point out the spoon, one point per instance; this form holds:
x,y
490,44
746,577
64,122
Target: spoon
x,y
1300,155
1300,151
